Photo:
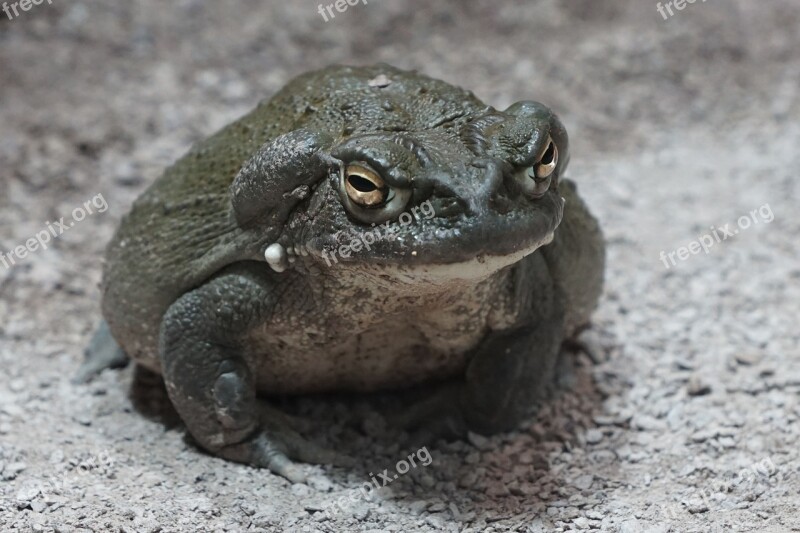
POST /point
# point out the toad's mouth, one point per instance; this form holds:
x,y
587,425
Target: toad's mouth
x,y
474,269
440,249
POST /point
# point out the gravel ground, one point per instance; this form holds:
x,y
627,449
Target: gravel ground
x,y
684,417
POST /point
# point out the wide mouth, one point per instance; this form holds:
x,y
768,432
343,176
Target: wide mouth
x,y
443,246
474,269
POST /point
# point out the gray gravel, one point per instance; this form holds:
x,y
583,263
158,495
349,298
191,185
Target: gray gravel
x,y
681,414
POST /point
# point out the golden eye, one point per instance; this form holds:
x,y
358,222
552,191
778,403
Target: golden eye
x,y
547,162
364,187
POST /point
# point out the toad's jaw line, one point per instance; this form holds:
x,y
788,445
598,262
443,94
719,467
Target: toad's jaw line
x,y
442,274
476,269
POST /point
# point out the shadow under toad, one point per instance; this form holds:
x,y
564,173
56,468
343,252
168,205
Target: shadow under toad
x,y
478,480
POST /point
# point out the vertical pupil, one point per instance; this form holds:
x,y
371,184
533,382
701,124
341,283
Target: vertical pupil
x,y
549,155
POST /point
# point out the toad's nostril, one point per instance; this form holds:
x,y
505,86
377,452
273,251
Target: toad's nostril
x,y
449,207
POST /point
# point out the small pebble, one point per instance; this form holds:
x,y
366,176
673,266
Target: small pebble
x,y
748,358
27,494
593,436
38,506
583,482
479,441
697,387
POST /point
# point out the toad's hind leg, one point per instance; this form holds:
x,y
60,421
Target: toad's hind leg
x,y
210,381
103,352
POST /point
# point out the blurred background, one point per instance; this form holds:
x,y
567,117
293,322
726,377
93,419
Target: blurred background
x,y
677,123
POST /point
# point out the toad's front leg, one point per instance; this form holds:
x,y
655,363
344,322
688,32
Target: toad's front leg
x,y
507,373
211,384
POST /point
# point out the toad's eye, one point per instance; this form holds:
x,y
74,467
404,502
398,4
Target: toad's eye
x,y
536,180
369,197
364,187
547,162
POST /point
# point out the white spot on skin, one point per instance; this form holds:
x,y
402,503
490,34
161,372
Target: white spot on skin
x,y
276,257
381,80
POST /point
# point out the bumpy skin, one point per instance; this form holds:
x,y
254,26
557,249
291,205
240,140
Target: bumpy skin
x,y
484,292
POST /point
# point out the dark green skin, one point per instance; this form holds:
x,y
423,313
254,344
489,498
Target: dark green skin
x,y
466,295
